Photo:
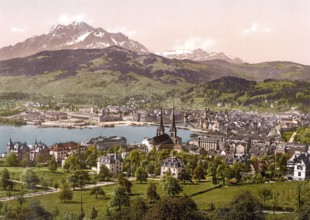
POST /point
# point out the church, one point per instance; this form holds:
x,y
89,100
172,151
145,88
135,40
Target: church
x,y
163,140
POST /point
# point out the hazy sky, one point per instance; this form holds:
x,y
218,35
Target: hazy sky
x,y
254,30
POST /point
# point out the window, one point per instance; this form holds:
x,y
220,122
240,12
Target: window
x,y
299,173
299,167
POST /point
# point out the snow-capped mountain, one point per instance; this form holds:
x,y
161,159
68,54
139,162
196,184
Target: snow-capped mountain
x,y
198,55
77,35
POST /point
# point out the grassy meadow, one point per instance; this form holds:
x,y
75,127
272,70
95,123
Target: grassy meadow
x,y
220,197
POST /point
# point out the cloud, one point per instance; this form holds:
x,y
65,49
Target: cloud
x,y
196,42
17,29
129,33
256,28
66,19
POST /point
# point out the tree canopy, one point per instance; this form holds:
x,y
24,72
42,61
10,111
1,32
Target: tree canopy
x,y
171,186
182,208
5,180
141,175
65,193
29,177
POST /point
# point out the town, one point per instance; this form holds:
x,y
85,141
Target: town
x,y
227,147
235,136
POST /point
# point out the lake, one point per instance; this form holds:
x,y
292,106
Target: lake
x,y
53,135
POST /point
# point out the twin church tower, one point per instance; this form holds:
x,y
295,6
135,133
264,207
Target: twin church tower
x,y
173,130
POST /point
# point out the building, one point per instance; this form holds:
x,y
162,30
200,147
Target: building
x,y
208,121
172,165
209,142
299,166
104,143
61,150
173,131
39,152
163,140
20,149
113,162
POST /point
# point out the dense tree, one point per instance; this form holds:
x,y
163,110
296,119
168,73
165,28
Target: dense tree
x,y
212,169
11,160
281,166
52,164
79,178
34,210
303,212
55,212
26,162
171,186
185,176
303,135
121,180
65,193
182,208
163,154
104,173
132,161
5,180
21,199
138,208
72,163
199,173
238,168
91,159
150,168
30,178
141,175
44,185
93,213
120,197
245,206
265,194
56,185
151,193
97,190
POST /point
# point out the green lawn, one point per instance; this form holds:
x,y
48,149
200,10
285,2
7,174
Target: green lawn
x,y
43,173
51,201
222,196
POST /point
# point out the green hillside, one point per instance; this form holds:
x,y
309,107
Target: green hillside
x,y
101,75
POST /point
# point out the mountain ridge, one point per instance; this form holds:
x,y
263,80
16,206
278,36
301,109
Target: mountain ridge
x,y
118,59
198,55
78,35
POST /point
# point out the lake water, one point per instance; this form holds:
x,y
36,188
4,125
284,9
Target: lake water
x,y
53,135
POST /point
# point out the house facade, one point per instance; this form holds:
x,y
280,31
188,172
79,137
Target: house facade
x,y
39,152
104,143
299,166
113,162
61,150
172,165
20,149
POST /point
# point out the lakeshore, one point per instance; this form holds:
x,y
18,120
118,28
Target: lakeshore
x,y
49,135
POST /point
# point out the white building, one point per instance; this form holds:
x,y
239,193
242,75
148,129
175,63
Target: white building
x,y
172,165
299,166
113,162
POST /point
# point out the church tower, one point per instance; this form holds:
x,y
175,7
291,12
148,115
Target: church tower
x,y
173,129
161,129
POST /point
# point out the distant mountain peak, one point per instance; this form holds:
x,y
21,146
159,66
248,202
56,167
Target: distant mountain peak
x,y
198,55
77,35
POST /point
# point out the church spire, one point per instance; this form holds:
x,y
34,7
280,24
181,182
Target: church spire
x,y
173,129
161,129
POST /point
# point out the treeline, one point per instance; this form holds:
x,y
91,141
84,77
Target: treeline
x,y
12,121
